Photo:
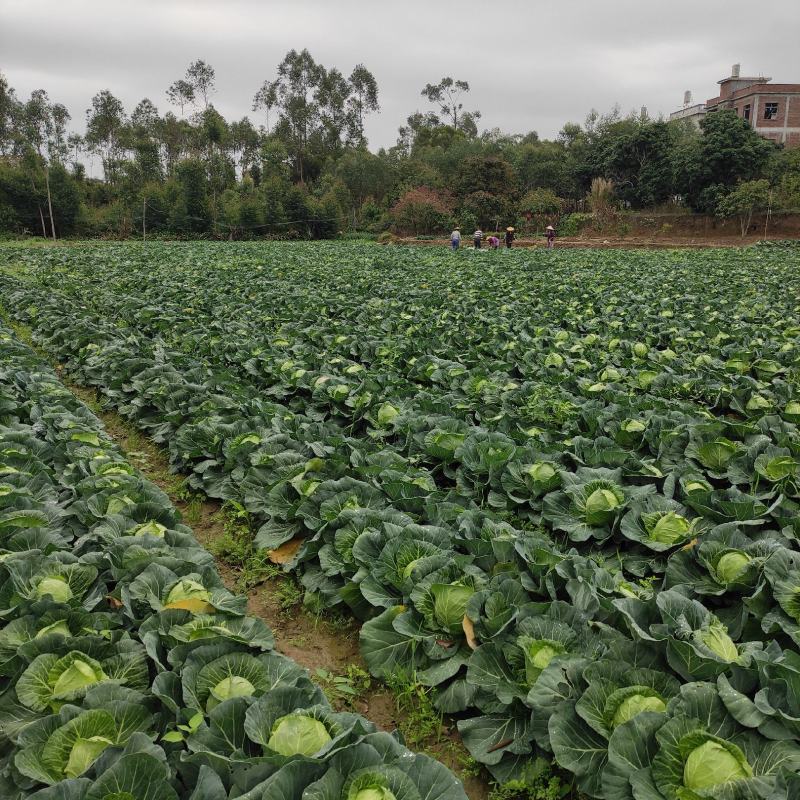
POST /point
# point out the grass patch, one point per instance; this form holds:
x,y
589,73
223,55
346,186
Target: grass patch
x,y
289,593
235,546
540,784
419,720
343,690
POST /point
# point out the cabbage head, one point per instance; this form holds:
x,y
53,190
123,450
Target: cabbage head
x,y
450,604
542,472
59,628
602,500
387,413
151,528
634,700
56,587
538,655
731,565
668,528
717,454
715,638
75,673
369,786
297,734
232,686
191,596
713,763
84,753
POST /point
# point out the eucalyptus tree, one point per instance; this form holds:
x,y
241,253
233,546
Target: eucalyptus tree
x,y
105,130
363,100
447,95
181,94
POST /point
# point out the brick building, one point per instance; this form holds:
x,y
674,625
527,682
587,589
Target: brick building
x,y
772,109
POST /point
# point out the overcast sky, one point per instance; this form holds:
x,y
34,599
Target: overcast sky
x,y
532,65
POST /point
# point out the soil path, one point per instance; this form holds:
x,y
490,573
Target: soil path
x,y
327,646
606,243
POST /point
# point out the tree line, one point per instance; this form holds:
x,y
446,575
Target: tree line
x,y
302,168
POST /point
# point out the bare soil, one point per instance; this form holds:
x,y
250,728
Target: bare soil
x,y
612,242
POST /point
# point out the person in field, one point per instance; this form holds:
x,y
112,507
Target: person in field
x,y
550,233
493,242
510,237
455,239
477,238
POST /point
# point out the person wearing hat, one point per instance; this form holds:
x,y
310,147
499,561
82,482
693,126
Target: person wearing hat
x,y
550,233
509,237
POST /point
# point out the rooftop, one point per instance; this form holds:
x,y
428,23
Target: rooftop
x,y
754,78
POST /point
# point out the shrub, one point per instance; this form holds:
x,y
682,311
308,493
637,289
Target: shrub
x,y
421,210
573,224
487,209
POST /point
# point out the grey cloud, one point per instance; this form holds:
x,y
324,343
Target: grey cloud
x,y
532,65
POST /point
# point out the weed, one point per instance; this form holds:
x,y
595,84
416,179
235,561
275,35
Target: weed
x,y
338,623
234,513
420,722
235,546
193,510
469,767
539,782
192,500
453,752
343,690
289,593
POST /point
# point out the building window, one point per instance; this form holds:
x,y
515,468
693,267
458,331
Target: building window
x,y
770,111
747,111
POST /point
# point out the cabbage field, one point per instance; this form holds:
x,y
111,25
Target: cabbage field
x,y
562,489
128,671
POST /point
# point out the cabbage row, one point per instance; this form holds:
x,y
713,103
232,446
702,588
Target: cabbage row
x,y
560,488
127,670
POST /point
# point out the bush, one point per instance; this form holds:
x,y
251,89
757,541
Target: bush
x,y
421,210
487,209
540,202
747,198
573,224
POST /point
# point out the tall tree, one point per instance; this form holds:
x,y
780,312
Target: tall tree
x,y
57,144
173,137
416,126
181,94
266,99
447,94
202,78
8,107
331,98
105,126
37,120
638,162
145,118
299,77
75,148
363,100
243,141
